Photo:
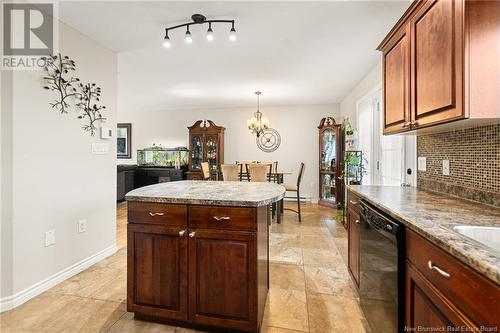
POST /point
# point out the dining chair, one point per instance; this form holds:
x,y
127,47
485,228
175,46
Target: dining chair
x,y
258,172
296,188
231,172
243,169
205,170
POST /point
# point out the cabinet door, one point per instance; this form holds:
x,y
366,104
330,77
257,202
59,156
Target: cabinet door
x,y
437,62
427,307
223,279
157,271
353,244
396,77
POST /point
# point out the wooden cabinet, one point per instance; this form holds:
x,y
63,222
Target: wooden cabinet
x,y
353,213
396,71
203,266
206,144
442,292
157,271
331,163
435,65
222,284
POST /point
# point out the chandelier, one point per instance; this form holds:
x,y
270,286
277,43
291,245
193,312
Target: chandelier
x,y
199,19
258,124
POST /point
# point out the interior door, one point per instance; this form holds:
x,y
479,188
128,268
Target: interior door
x,y
157,270
437,62
222,280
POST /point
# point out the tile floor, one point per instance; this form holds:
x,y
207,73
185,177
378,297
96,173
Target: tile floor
x,y
311,290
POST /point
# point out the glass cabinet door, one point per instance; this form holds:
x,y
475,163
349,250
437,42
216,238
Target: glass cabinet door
x,y
212,150
197,152
328,150
328,187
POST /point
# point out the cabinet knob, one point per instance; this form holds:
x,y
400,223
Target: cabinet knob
x,y
182,233
356,221
222,218
156,214
191,234
437,269
414,123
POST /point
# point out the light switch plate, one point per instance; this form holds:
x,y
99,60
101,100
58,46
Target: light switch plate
x,y
422,163
50,237
100,148
106,132
446,167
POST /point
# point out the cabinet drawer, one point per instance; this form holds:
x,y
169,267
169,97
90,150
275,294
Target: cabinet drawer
x,y
352,201
470,292
157,213
230,218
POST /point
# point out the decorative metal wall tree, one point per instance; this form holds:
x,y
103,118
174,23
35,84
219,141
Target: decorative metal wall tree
x,y
85,97
88,106
56,67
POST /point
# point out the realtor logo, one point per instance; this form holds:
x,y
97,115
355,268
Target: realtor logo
x,y
28,29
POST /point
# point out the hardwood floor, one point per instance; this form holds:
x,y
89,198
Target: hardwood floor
x,y
310,287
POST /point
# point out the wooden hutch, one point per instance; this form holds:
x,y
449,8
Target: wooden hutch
x,y
331,163
206,144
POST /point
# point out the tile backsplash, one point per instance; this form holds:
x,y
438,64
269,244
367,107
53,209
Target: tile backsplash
x,y
474,158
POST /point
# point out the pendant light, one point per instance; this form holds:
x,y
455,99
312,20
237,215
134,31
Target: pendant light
x,y
257,123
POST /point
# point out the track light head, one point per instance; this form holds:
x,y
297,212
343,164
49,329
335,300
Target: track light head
x,y
188,37
232,33
210,33
166,41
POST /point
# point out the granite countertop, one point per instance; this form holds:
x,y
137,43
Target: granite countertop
x,y
432,215
215,193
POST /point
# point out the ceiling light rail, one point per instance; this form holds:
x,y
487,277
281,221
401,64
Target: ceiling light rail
x,y
199,19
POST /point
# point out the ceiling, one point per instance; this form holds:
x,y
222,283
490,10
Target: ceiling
x,y
294,52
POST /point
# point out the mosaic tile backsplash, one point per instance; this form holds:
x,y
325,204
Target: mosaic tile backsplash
x,y
474,155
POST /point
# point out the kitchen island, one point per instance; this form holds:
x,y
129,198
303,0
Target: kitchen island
x,y
198,253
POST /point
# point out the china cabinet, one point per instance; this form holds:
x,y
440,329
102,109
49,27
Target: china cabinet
x,y
206,144
331,163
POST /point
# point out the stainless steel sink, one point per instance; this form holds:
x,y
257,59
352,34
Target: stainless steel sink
x,y
487,236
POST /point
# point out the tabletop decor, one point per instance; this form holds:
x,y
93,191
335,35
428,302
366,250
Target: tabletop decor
x,y
83,98
257,123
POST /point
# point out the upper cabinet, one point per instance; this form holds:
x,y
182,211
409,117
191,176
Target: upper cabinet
x,y
435,62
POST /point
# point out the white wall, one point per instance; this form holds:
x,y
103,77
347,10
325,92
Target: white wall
x,y
56,179
297,125
371,81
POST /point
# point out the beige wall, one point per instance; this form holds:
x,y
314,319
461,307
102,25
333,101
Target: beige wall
x,y
56,180
297,125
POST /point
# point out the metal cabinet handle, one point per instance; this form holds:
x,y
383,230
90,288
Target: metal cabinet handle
x,y
222,218
182,233
437,269
156,214
353,202
357,221
405,125
191,234
414,123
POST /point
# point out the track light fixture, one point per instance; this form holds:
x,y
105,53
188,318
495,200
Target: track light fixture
x,y
199,19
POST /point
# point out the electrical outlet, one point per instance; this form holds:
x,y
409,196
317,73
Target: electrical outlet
x,y
422,163
50,237
82,226
446,167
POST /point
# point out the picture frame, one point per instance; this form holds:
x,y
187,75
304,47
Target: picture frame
x,y
124,140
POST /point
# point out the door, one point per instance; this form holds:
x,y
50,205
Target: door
x,y
157,271
437,62
223,279
396,78
353,245
427,307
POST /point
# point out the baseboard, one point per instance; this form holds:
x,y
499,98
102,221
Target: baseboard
x,y
10,302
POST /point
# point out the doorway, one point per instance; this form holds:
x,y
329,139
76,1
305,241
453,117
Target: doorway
x,y
389,159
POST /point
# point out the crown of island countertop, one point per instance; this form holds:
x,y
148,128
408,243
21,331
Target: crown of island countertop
x,y
432,215
215,193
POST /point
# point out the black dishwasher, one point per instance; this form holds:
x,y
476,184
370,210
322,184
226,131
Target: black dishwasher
x,y
382,255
